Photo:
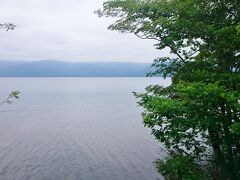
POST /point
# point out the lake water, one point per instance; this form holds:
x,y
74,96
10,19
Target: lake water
x,y
76,129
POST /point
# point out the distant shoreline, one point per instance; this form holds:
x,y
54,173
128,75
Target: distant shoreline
x,y
73,69
78,77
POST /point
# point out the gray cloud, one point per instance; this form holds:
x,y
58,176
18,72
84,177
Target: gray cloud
x,y
67,30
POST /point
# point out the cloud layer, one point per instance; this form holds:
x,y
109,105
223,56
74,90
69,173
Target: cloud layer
x,y
67,30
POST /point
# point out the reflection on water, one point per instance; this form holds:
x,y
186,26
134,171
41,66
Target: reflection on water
x,y
76,129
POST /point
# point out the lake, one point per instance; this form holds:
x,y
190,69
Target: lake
x,y
76,129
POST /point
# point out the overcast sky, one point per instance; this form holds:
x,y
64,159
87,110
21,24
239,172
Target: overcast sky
x,y
67,30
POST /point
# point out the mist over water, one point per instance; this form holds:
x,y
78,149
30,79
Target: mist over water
x,y
76,129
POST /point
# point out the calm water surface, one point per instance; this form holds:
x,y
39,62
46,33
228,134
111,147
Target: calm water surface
x,y
76,129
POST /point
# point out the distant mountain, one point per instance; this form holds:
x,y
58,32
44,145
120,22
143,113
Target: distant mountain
x,y
72,69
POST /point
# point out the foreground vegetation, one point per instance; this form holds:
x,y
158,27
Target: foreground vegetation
x,y
197,118
9,100
14,94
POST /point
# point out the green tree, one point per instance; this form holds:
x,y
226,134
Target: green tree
x,y
198,116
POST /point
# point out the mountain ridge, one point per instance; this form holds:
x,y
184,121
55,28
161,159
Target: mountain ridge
x,y
54,68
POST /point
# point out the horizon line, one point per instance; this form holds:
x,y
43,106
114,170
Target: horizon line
x,y
66,61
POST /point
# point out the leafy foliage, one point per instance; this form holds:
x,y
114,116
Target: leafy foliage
x,y
11,96
7,26
236,128
180,167
198,116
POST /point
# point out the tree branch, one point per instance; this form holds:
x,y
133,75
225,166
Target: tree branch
x,y
154,38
